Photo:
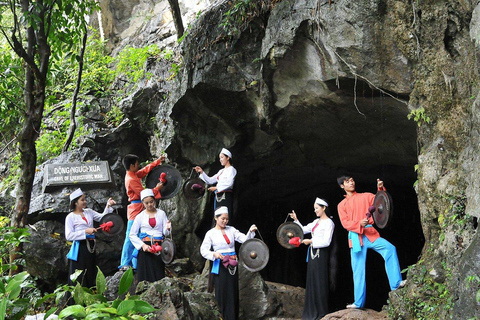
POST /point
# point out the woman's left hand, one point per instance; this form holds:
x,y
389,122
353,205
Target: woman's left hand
x,y
253,228
307,242
169,225
211,189
110,202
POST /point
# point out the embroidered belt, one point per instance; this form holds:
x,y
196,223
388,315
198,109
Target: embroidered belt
x,y
216,262
136,201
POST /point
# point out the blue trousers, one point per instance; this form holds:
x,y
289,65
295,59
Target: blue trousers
x,y
128,260
392,267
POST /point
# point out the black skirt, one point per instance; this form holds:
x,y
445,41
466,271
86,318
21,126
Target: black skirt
x,y
226,202
150,267
317,288
226,293
85,261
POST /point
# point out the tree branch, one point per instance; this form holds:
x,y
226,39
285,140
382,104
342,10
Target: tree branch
x,y
73,124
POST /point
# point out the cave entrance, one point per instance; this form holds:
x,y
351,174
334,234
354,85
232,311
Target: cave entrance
x,y
368,137
348,128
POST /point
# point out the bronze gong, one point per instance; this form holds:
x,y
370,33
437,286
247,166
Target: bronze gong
x,y
286,231
254,254
168,251
118,224
194,188
174,180
384,209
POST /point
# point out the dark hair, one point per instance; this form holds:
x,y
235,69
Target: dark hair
x,y
73,203
128,160
343,178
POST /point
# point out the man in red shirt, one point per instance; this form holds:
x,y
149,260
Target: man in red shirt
x,y
133,185
362,236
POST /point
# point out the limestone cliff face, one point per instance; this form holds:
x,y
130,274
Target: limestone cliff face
x,y
303,91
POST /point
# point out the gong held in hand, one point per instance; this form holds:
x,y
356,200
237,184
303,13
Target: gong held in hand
x,y
254,254
383,213
287,233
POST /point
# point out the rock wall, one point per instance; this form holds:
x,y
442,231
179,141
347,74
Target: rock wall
x,y
305,91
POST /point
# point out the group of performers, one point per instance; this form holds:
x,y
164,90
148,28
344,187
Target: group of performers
x,y
147,226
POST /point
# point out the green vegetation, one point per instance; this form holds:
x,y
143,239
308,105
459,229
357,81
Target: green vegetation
x,y
241,12
432,299
19,295
99,73
419,116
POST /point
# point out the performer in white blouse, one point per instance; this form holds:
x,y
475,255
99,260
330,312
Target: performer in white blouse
x,y
224,180
79,229
219,246
316,289
149,228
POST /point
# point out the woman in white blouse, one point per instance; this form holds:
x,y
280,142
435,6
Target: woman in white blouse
x,y
316,289
79,229
149,228
219,246
224,180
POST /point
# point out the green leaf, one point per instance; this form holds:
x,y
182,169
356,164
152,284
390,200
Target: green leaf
x,y
3,308
79,294
103,309
143,307
74,311
125,281
2,287
75,275
100,282
13,289
39,302
116,302
97,315
50,312
125,306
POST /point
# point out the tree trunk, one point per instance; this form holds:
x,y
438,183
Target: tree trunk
x,y
34,94
177,17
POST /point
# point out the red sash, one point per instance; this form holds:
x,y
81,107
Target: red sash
x,y
225,236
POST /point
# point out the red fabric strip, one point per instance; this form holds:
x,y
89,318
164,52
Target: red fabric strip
x,y
152,222
313,229
226,238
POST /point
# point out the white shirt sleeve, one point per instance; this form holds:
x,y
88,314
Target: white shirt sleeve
x,y
206,247
133,235
164,224
98,216
209,180
241,237
306,229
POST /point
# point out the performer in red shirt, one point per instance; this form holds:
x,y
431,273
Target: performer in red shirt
x,y
133,185
363,236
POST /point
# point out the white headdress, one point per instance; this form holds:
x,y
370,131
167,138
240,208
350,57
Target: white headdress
x,y
321,202
226,152
146,193
221,210
75,194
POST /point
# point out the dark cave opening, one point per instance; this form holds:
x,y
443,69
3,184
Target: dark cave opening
x,y
309,143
